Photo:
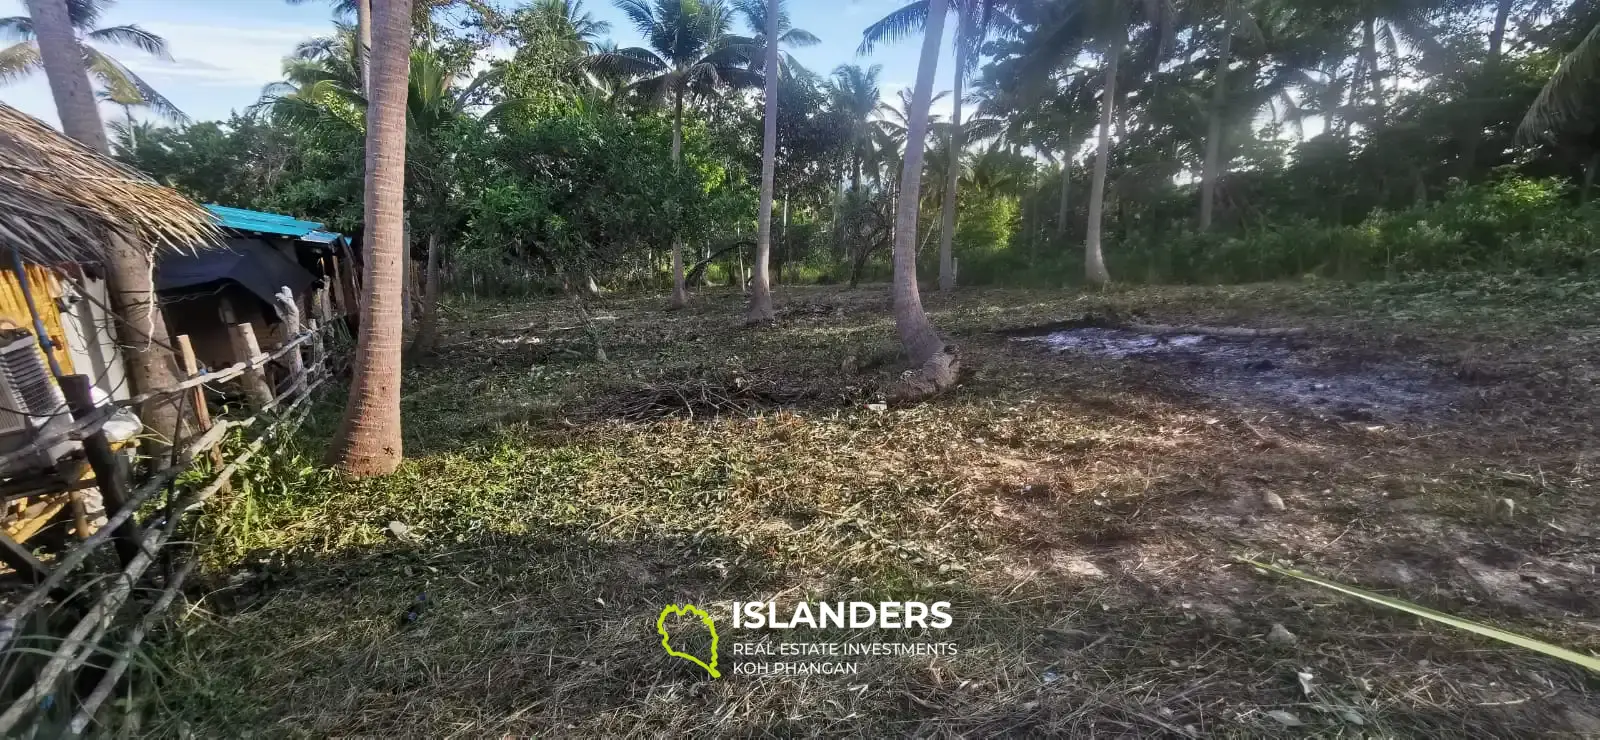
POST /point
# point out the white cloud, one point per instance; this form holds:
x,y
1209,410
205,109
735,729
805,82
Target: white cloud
x,y
214,69
221,55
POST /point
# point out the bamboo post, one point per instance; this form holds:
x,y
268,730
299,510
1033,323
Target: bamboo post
x,y
110,472
257,391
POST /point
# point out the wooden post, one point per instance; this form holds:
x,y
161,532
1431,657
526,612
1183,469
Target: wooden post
x,y
191,369
319,353
289,313
110,471
202,414
257,391
333,286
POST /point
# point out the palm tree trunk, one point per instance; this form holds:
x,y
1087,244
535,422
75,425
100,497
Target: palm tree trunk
x,y
761,291
368,441
947,233
783,237
1497,35
1589,170
680,291
1369,51
1474,137
146,345
922,343
1094,260
143,330
1219,100
428,327
69,79
364,39
1066,189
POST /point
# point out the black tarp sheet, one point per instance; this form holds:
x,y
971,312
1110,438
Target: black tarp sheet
x,y
252,263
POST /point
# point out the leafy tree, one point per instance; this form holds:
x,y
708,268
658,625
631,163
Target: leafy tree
x,y
690,54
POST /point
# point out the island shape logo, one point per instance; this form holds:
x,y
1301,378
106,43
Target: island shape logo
x,y
666,640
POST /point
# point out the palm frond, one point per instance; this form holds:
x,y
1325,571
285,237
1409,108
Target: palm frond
x,y
982,129
122,81
799,37
624,64
85,14
652,89
640,14
18,61
16,28
900,24
134,36
1568,96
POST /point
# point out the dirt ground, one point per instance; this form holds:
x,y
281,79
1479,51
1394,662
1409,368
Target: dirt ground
x,y
1082,510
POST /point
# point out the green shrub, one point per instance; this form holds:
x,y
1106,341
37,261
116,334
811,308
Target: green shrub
x,y
1513,223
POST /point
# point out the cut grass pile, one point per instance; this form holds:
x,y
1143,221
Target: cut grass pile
x,y
1082,517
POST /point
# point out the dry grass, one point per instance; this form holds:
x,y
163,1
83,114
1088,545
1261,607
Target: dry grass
x,y
1080,514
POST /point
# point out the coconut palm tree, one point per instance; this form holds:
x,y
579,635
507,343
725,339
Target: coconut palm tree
x,y
128,132
761,289
1228,27
565,24
974,23
368,441
936,364
854,94
755,19
321,82
1104,25
55,27
690,54
23,58
895,121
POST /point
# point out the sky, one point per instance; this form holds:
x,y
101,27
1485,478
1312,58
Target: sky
x,y
225,51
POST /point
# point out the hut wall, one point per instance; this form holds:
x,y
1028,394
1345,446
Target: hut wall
x,y
205,317
14,307
92,340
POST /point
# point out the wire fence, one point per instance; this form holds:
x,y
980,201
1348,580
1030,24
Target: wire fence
x,y
103,624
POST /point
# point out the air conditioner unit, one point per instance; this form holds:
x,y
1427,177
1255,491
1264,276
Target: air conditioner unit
x,y
31,404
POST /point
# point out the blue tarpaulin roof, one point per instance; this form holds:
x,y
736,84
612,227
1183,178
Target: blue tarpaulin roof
x,y
321,237
240,219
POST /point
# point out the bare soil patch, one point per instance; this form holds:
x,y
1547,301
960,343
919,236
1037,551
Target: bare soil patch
x,y
1287,373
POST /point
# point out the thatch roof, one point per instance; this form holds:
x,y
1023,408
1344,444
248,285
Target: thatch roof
x,y
58,198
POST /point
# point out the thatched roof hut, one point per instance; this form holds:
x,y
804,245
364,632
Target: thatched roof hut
x,y
58,199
